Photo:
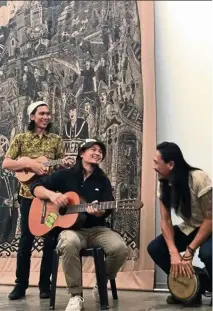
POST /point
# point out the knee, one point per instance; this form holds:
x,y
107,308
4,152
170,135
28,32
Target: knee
x,y
69,242
123,250
153,248
119,249
205,254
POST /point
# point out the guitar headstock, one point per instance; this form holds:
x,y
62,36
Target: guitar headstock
x,y
130,204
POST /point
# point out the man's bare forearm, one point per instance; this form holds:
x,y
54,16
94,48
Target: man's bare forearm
x,y
202,235
168,234
42,193
16,165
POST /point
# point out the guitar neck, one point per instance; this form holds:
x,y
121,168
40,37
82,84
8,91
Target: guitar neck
x,y
53,162
81,208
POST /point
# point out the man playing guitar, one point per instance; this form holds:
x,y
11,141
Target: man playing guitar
x,y
25,147
90,182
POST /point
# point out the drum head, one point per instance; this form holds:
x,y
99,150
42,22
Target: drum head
x,y
183,288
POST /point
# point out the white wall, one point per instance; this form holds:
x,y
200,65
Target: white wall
x,y
183,55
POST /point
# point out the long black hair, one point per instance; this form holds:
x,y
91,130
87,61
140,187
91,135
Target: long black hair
x,y
178,196
31,125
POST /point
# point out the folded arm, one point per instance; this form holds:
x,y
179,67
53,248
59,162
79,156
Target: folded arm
x,y
49,188
43,187
167,228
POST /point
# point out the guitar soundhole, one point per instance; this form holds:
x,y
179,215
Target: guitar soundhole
x,y
62,210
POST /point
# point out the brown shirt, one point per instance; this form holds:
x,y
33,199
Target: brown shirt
x,y
199,184
30,145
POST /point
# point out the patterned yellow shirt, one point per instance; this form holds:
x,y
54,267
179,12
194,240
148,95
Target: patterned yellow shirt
x,y
30,145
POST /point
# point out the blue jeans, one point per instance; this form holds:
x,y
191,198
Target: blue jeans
x,y
159,252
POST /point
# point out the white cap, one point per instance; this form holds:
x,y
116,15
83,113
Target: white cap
x,y
33,106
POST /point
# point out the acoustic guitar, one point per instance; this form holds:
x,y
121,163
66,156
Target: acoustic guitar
x,y
44,216
26,176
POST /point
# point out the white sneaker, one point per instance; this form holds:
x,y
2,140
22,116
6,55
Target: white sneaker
x,y
75,303
95,293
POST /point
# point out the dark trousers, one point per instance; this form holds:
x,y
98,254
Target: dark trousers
x,y
25,250
158,250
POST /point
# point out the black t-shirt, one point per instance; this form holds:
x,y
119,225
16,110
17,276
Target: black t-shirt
x,y
96,187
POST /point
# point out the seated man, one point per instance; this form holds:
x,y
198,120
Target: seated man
x,y
91,183
188,190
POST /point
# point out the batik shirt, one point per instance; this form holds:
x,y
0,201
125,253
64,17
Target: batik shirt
x,y
30,145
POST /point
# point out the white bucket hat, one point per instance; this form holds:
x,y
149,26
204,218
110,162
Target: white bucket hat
x,y
33,106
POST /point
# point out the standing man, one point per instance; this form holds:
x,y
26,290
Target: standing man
x,y
188,190
89,87
21,155
101,70
90,182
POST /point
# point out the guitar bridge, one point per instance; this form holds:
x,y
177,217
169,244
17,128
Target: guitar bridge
x,y
44,210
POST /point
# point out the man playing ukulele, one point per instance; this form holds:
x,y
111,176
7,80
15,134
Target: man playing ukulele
x,y
90,182
21,155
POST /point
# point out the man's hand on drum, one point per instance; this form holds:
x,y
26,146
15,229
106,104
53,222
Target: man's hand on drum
x,y
176,264
181,266
187,267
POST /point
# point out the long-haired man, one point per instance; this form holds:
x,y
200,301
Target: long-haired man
x,y
188,191
24,149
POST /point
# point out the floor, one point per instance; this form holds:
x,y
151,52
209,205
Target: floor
x,y
128,301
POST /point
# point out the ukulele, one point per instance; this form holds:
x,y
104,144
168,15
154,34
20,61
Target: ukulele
x,y
26,176
44,216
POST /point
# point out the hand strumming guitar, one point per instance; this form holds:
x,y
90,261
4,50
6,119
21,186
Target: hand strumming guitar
x,y
58,199
32,165
38,168
95,211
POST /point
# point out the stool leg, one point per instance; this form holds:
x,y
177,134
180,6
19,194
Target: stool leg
x,y
101,277
114,289
54,280
82,294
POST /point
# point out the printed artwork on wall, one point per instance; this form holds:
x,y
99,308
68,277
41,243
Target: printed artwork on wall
x,y
83,59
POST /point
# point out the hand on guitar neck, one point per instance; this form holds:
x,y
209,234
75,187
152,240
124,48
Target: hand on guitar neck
x,y
67,161
95,211
60,199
